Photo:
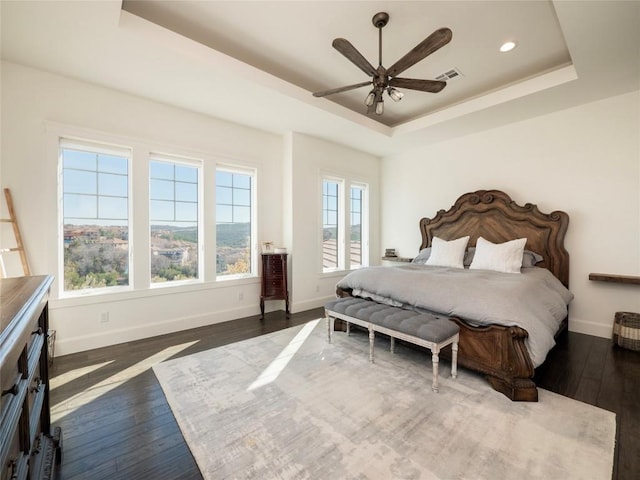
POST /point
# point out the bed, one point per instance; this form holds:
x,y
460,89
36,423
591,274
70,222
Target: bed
x,y
500,351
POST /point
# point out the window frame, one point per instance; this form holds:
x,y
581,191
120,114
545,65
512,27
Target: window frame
x,y
364,225
99,148
198,165
252,172
340,224
345,184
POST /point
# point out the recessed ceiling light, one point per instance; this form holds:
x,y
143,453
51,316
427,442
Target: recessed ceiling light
x,y
507,46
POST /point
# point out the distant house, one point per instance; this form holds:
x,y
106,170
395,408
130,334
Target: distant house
x,y
177,256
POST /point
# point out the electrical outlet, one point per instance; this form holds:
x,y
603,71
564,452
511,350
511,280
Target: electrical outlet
x,y
104,317
240,296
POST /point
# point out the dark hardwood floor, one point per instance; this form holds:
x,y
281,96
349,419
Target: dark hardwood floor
x,y
117,424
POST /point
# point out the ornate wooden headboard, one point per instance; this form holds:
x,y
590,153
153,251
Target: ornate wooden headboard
x,y
493,215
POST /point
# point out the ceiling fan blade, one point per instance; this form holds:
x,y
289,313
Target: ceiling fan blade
x,y
349,51
341,89
433,42
433,86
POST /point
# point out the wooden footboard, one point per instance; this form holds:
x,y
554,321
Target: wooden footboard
x,y
501,354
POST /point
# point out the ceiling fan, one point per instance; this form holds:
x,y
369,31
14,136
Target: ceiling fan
x,y
386,78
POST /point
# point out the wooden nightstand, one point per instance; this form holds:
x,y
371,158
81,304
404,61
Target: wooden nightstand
x,y
274,280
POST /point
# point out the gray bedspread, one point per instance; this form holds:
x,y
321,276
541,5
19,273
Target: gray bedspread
x,y
534,300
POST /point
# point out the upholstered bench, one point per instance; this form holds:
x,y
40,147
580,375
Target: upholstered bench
x,y
421,329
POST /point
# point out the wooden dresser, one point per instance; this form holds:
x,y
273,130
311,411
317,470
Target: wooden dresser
x,y
274,280
29,446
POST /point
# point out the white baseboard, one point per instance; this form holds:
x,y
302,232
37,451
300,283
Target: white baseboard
x,y
590,328
147,330
311,304
113,337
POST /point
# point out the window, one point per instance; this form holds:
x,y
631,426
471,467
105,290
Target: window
x,y
95,215
345,233
356,227
173,216
330,228
130,220
234,222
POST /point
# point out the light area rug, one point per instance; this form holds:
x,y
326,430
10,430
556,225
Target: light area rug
x,y
289,405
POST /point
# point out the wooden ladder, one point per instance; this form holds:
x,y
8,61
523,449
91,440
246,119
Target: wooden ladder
x,y
16,232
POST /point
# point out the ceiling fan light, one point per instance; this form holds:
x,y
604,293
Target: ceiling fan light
x,y
380,108
370,98
396,95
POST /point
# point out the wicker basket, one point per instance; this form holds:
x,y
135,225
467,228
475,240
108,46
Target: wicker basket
x,y
626,330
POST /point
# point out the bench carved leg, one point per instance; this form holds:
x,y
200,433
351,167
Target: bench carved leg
x,y
329,322
435,359
392,348
348,328
454,359
372,339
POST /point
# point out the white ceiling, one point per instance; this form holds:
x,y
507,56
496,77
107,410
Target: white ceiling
x,y
292,40
256,63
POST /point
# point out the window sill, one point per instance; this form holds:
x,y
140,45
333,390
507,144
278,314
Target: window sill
x,y
334,273
153,291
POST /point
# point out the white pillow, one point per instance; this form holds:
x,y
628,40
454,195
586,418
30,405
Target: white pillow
x,y
447,253
500,257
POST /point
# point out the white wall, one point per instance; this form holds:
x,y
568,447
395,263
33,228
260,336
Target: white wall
x,y
31,100
309,158
585,161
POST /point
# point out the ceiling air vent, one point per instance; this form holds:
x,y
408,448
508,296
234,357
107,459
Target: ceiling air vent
x,y
452,74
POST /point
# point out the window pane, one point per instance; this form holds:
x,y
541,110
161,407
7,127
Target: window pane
x,y
112,208
224,179
161,170
95,220
111,164
224,214
355,241
330,233
78,159
241,197
174,221
109,184
80,206
186,192
224,196
80,181
233,223
186,212
161,189
161,210
186,174
241,214
241,181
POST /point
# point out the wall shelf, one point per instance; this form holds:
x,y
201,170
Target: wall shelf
x,y
397,259
606,277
